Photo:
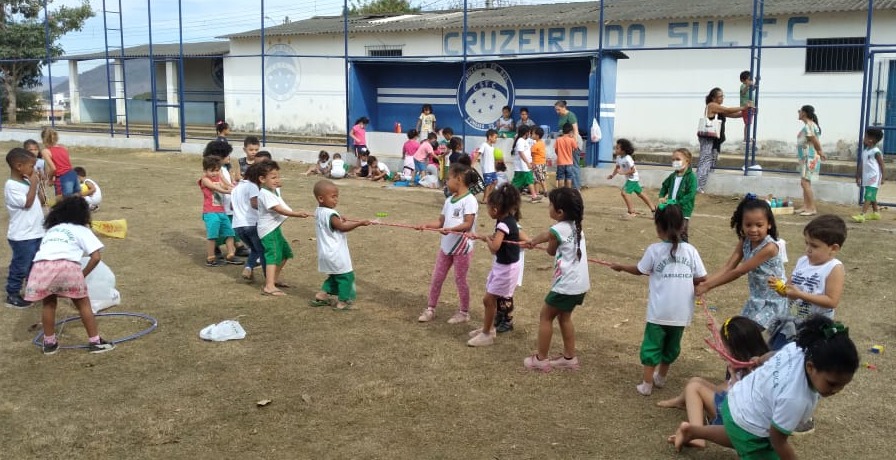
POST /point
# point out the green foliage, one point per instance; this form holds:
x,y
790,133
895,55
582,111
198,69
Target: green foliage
x,y
23,38
28,106
382,7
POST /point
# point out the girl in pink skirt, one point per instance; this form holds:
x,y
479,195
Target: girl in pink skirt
x,y
504,207
57,270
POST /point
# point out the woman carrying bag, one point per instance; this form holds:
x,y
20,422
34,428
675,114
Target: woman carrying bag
x,y
713,135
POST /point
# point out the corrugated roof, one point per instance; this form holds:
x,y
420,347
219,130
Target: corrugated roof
x,y
557,14
161,50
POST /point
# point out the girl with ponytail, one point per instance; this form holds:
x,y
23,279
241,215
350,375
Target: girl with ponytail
x,y
808,147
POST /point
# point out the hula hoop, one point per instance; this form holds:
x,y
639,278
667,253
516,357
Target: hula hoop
x,y
154,323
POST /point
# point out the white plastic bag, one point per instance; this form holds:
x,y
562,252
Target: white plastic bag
x,y
101,287
223,331
595,131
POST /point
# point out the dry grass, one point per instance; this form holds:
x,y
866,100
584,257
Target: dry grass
x,y
374,383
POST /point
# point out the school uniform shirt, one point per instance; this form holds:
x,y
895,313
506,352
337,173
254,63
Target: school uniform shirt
x,y
777,394
244,215
268,219
455,210
67,242
24,223
487,158
333,257
523,155
626,166
811,279
570,272
870,169
337,169
671,297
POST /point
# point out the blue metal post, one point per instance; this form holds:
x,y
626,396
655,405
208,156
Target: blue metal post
x,y
108,73
752,130
152,80
600,83
180,74
49,63
866,76
348,121
463,75
264,130
124,78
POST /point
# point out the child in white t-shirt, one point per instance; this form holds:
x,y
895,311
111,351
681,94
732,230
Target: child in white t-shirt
x,y
90,190
337,167
333,257
571,281
674,268
871,175
762,411
23,202
458,216
323,165
625,165
272,212
244,200
57,270
378,169
485,155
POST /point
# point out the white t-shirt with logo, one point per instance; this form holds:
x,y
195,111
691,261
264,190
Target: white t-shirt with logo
x,y
570,272
337,168
24,223
333,257
382,167
811,279
487,158
268,219
455,210
225,197
870,168
776,394
523,155
244,215
671,297
67,242
627,167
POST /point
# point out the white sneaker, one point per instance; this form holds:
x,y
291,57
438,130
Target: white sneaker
x,y
459,317
562,363
481,340
476,332
534,364
428,315
645,388
658,380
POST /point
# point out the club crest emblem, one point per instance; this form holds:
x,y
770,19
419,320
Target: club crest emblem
x,y
281,72
486,88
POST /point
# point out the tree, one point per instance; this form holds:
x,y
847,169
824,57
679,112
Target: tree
x,y
383,6
23,43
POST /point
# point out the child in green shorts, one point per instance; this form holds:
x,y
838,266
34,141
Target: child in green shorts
x,y
871,174
272,212
333,257
625,165
674,268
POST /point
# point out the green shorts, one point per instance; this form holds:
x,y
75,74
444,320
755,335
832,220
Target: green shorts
x,y
747,445
871,194
341,285
276,249
564,302
632,186
661,344
523,179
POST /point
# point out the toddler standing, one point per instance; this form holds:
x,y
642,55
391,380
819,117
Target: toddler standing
x,y
251,147
25,221
539,159
681,186
871,176
426,123
625,165
217,225
244,199
674,268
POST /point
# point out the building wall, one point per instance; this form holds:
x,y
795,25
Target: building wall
x,y
660,93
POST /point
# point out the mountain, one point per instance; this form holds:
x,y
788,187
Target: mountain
x,y
94,82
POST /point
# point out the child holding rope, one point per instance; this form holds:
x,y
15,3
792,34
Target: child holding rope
x,y
743,341
57,270
504,207
761,412
566,241
458,216
674,267
756,255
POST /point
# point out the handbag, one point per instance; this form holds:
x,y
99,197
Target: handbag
x,y
708,128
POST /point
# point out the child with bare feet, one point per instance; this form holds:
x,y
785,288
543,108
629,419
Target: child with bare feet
x,y
323,165
625,165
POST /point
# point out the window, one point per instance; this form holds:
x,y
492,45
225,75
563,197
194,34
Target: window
x,y
831,54
384,50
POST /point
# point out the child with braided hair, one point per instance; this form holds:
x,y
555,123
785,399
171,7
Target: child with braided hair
x,y
566,241
674,267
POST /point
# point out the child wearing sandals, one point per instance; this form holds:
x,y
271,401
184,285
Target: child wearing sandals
x,y
701,399
674,268
504,207
333,257
272,212
566,241
217,225
57,270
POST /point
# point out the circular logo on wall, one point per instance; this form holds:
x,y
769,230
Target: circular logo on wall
x,y
218,72
281,72
486,88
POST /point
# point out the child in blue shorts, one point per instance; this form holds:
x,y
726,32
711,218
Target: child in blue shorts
x,y
217,225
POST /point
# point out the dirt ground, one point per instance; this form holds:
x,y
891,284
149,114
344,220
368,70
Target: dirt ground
x,y
374,383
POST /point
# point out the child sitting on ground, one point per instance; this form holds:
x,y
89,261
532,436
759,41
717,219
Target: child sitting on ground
x,y
362,171
90,191
337,167
217,225
333,257
378,169
22,198
323,165
57,271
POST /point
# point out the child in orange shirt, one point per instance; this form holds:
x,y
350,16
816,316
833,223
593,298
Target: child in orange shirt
x,y
539,160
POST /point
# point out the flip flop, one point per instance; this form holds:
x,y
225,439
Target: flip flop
x,y
319,303
281,285
346,307
274,293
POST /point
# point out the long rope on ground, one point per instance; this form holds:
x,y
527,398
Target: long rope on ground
x,y
716,342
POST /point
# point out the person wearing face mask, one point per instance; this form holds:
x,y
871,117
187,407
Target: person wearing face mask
x,y
681,187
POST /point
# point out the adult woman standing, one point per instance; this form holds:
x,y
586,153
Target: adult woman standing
x,y
710,146
808,149
565,116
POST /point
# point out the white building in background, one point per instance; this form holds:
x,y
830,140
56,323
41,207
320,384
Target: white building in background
x,y
660,88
